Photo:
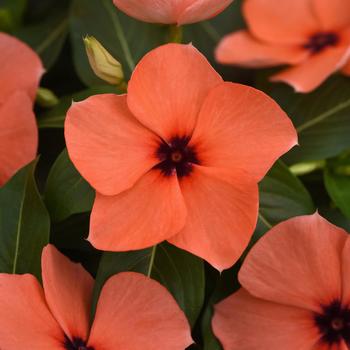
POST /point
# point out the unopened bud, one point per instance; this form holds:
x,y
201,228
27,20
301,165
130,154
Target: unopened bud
x,y
104,65
46,98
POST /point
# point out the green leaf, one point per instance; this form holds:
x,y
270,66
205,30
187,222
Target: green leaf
x,y
47,37
67,193
322,118
24,224
337,181
54,118
125,38
282,196
11,12
180,272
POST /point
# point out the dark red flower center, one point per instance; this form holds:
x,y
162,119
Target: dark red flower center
x,y
76,344
334,323
320,41
176,156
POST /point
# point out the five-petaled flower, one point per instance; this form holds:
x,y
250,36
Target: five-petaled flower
x,y
178,158
133,311
311,35
172,11
20,72
296,291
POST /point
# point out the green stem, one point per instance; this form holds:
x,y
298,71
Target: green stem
x,y
175,34
151,262
120,34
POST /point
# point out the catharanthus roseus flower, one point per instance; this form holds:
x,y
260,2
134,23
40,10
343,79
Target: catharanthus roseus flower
x,y
178,158
20,72
313,36
172,11
133,311
296,291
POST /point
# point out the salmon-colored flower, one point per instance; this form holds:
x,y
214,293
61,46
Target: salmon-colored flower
x,y
133,311
178,158
313,36
20,72
172,11
296,291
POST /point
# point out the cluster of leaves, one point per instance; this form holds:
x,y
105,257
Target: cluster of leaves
x,y
48,201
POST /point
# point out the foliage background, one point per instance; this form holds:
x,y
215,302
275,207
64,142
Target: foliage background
x,y
49,201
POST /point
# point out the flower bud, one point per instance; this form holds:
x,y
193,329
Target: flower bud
x,y
104,65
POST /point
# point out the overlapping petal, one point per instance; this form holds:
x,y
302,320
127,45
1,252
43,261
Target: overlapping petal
x,y
307,76
240,135
135,312
18,134
20,68
297,263
334,14
244,322
222,214
68,290
25,321
242,48
109,147
288,21
150,212
168,87
197,11
346,68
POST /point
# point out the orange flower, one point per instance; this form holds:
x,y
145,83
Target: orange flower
x,y
20,72
178,158
172,11
311,35
296,291
133,311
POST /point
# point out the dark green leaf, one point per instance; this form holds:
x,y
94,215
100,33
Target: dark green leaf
x,y
11,12
125,38
180,272
322,118
24,224
67,193
337,181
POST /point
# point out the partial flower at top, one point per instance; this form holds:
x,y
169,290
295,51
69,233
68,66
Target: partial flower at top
x,y
20,73
313,36
133,311
172,11
178,158
296,291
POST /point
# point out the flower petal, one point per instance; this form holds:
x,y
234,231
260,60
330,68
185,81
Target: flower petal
x,y
243,130
25,321
346,272
346,69
334,14
135,312
68,290
244,322
241,48
147,214
307,76
110,148
168,88
296,263
288,21
18,134
222,214
202,10
20,68
152,11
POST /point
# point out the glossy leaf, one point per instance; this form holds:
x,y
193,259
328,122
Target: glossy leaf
x,y
67,193
180,272
322,118
24,224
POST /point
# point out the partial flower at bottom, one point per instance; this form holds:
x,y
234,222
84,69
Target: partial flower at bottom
x,y
295,291
178,158
133,311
